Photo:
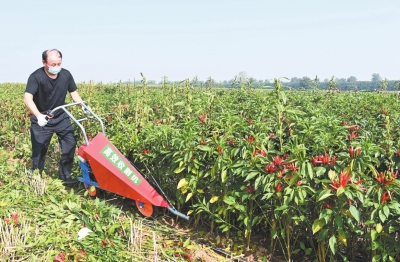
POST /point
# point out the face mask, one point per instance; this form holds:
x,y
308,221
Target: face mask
x,y
54,70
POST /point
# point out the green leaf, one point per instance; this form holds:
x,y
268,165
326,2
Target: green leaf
x,y
98,227
295,112
324,194
310,170
186,243
284,207
319,171
224,176
296,251
52,199
379,227
375,245
340,191
250,176
386,211
179,169
188,197
342,236
274,233
213,199
257,182
354,212
322,234
339,221
111,230
204,148
318,225
229,200
183,182
382,216
332,244
374,234
246,221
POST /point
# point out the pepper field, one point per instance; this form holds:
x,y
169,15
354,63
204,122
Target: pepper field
x,y
294,175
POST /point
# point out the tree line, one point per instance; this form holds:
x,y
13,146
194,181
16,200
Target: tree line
x,y
377,83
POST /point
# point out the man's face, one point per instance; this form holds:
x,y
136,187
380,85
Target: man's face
x,y
53,60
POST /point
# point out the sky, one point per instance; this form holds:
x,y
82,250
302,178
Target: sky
x,y
109,41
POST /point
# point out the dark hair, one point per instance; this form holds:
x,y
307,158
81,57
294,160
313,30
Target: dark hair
x,y
44,54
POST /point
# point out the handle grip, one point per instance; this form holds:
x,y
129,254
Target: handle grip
x,y
49,115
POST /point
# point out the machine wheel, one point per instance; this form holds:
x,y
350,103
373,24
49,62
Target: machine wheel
x,y
90,189
146,210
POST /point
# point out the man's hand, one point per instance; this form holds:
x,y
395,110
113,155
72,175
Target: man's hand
x,y
42,121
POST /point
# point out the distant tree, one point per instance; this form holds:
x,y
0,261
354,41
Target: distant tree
x,y
352,79
376,81
295,82
397,85
383,84
341,83
376,77
352,83
306,83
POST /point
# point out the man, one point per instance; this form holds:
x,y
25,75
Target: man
x,y
47,89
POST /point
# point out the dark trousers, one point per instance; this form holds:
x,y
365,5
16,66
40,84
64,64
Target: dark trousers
x,y
41,136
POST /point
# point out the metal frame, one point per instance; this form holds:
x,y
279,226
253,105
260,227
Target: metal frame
x,y
77,121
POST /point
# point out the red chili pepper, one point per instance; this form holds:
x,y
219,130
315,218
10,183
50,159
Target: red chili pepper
x,y
352,136
271,168
278,188
188,256
59,258
278,160
382,179
314,161
333,160
220,150
326,159
328,204
259,152
385,197
292,167
344,178
351,151
250,189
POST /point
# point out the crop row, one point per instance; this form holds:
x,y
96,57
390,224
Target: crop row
x,y
314,173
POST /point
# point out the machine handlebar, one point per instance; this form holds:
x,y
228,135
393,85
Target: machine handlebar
x,y
90,114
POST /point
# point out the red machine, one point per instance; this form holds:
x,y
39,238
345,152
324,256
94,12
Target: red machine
x,y
103,166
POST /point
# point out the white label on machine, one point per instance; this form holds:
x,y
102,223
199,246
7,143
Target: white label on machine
x,y
120,164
